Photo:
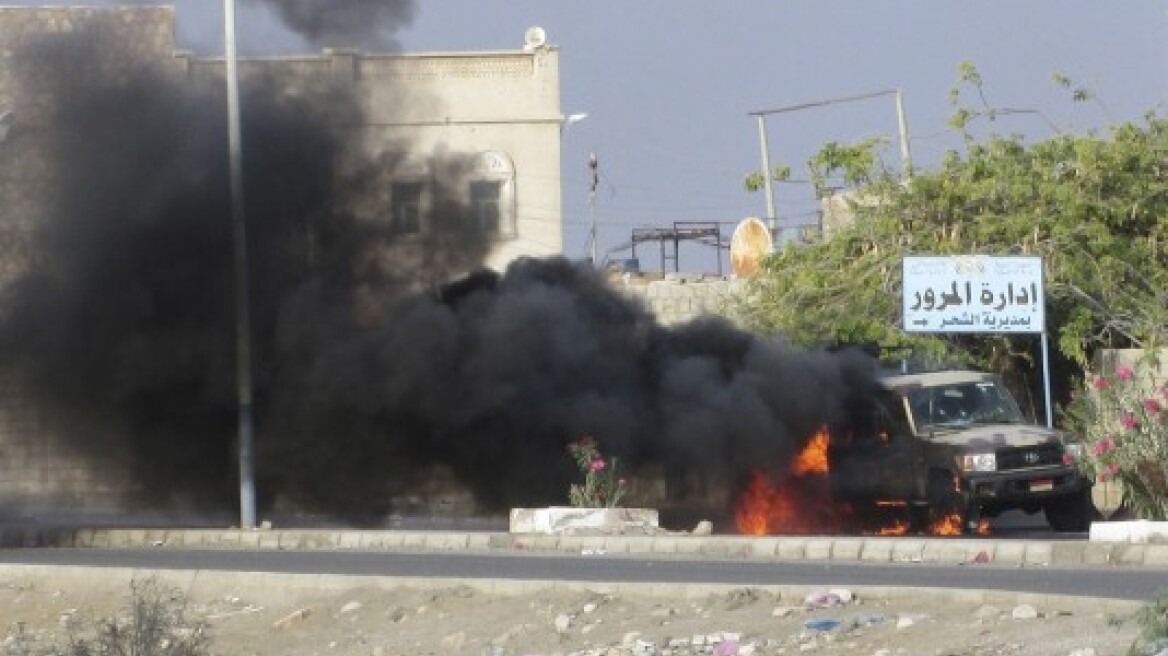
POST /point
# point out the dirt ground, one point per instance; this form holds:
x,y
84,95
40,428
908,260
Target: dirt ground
x,y
460,620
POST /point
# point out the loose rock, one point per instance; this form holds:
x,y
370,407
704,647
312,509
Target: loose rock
x,y
1024,612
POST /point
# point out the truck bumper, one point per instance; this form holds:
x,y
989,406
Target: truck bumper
x,y
1025,488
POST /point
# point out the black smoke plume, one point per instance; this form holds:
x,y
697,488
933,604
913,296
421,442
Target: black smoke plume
x,y
350,23
378,364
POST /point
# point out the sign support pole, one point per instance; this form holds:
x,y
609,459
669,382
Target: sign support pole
x,y
1046,379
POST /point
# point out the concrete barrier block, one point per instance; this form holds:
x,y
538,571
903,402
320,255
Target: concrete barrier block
x,y
560,519
614,544
1038,553
446,541
792,548
1129,555
574,543
764,548
1068,553
727,547
267,540
877,551
1155,555
1140,531
908,550
847,548
248,539
478,541
818,549
685,545
945,550
413,540
1010,553
1098,553
638,543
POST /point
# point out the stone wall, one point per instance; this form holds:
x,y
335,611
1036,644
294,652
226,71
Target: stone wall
x,y
677,298
28,108
38,470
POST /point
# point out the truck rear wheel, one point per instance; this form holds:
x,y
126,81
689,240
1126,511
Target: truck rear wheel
x,y
1071,514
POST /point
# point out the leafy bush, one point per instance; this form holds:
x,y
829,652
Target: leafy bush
x,y
603,487
1123,422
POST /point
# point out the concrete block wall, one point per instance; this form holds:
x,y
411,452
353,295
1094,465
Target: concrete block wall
x,y
676,299
28,70
39,467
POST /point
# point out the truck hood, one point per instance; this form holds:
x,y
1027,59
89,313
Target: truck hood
x,y
996,435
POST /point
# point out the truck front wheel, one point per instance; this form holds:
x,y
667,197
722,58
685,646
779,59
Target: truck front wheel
x,y
1072,513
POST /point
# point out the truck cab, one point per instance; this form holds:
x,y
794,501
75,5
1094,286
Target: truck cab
x,y
954,443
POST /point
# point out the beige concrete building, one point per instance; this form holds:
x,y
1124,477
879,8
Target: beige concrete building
x,y
501,109
498,112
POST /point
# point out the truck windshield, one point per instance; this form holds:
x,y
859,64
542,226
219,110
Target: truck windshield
x,y
963,404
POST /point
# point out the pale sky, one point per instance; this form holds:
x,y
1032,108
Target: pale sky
x,y
668,85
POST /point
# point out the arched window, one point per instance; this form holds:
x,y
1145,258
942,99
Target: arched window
x,y
491,194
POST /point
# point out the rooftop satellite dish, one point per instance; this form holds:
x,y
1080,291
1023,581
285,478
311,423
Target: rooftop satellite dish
x,y
750,243
534,37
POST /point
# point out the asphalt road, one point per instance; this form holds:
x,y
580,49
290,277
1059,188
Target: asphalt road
x,y
1112,583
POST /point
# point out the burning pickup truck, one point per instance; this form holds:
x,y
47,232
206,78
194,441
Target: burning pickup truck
x,y
954,445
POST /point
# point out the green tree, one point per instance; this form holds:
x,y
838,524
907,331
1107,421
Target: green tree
x,y
1095,206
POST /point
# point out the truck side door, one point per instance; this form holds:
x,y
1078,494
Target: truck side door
x,y
877,459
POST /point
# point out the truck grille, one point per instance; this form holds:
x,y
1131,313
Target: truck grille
x,y
1042,455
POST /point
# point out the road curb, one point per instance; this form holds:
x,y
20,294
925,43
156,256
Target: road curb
x,y
1021,553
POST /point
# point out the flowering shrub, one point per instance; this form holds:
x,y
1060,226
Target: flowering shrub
x,y
603,487
1123,422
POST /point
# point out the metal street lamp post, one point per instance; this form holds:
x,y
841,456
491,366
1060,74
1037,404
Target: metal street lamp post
x,y
247,497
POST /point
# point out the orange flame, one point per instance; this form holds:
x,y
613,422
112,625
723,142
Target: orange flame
x,y
897,527
948,525
795,505
951,525
813,458
751,516
800,503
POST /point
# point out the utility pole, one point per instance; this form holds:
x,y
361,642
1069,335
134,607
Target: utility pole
x,y
243,378
592,164
772,220
902,127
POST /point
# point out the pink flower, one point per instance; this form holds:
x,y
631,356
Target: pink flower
x,y
1103,446
1124,373
596,465
1068,459
1113,469
1129,421
1153,406
1100,384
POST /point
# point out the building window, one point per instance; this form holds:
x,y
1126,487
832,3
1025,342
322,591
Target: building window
x,y
484,205
406,208
491,195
